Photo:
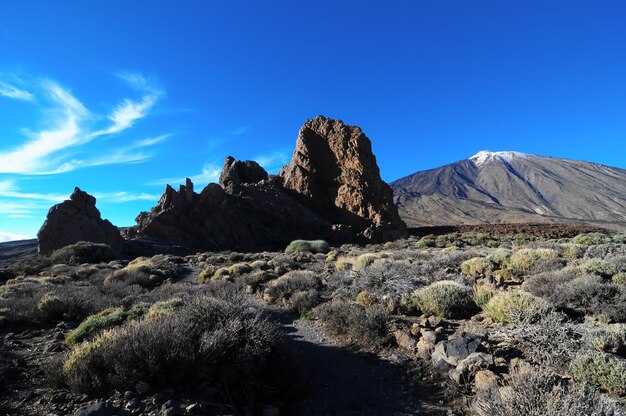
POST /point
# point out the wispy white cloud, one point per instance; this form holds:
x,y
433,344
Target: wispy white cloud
x,y
210,173
69,126
11,91
6,236
121,197
272,162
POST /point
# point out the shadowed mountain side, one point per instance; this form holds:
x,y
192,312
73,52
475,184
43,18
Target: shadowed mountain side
x,y
505,187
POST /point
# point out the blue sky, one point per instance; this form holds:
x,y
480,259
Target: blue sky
x,y
120,97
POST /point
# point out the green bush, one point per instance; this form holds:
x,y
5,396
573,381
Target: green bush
x,y
483,294
573,251
108,318
591,238
619,279
598,267
447,299
515,306
477,266
307,246
83,252
363,261
601,370
524,259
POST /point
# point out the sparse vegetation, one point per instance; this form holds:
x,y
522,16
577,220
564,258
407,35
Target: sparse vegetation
x,y
447,299
548,309
307,246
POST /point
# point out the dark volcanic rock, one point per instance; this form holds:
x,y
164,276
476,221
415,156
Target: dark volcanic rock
x,y
74,220
259,216
236,172
334,172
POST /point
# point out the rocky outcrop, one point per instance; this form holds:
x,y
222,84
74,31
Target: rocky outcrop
x,y
330,190
74,220
334,172
236,172
258,216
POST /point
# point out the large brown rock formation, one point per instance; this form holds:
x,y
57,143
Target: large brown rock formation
x,y
74,220
334,172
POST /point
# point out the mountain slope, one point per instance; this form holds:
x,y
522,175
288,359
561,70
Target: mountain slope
x,y
499,187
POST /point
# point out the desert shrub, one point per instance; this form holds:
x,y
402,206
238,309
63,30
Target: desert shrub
x,y
238,269
483,294
573,251
544,284
500,256
601,370
36,301
514,307
609,338
29,266
307,246
148,272
592,295
297,290
426,241
108,318
206,274
524,259
363,261
550,340
591,238
344,263
363,327
445,298
214,341
83,252
165,307
256,279
477,266
597,267
538,393
51,308
619,279
365,298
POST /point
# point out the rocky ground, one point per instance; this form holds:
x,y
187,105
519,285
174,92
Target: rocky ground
x,y
460,323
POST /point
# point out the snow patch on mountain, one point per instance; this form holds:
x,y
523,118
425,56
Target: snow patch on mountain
x,y
485,156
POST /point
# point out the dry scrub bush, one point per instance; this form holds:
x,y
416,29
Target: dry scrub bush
x,y
83,252
524,259
477,266
601,370
307,246
225,342
551,340
148,272
297,290
592,295
536,392
34,301
363,327
483,294
515,307
447,299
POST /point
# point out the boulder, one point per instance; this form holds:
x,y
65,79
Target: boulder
x,y
467,368
97,409
457,348
74,220
334,172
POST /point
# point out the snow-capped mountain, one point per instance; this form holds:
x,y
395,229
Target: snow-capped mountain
x,y
508,186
